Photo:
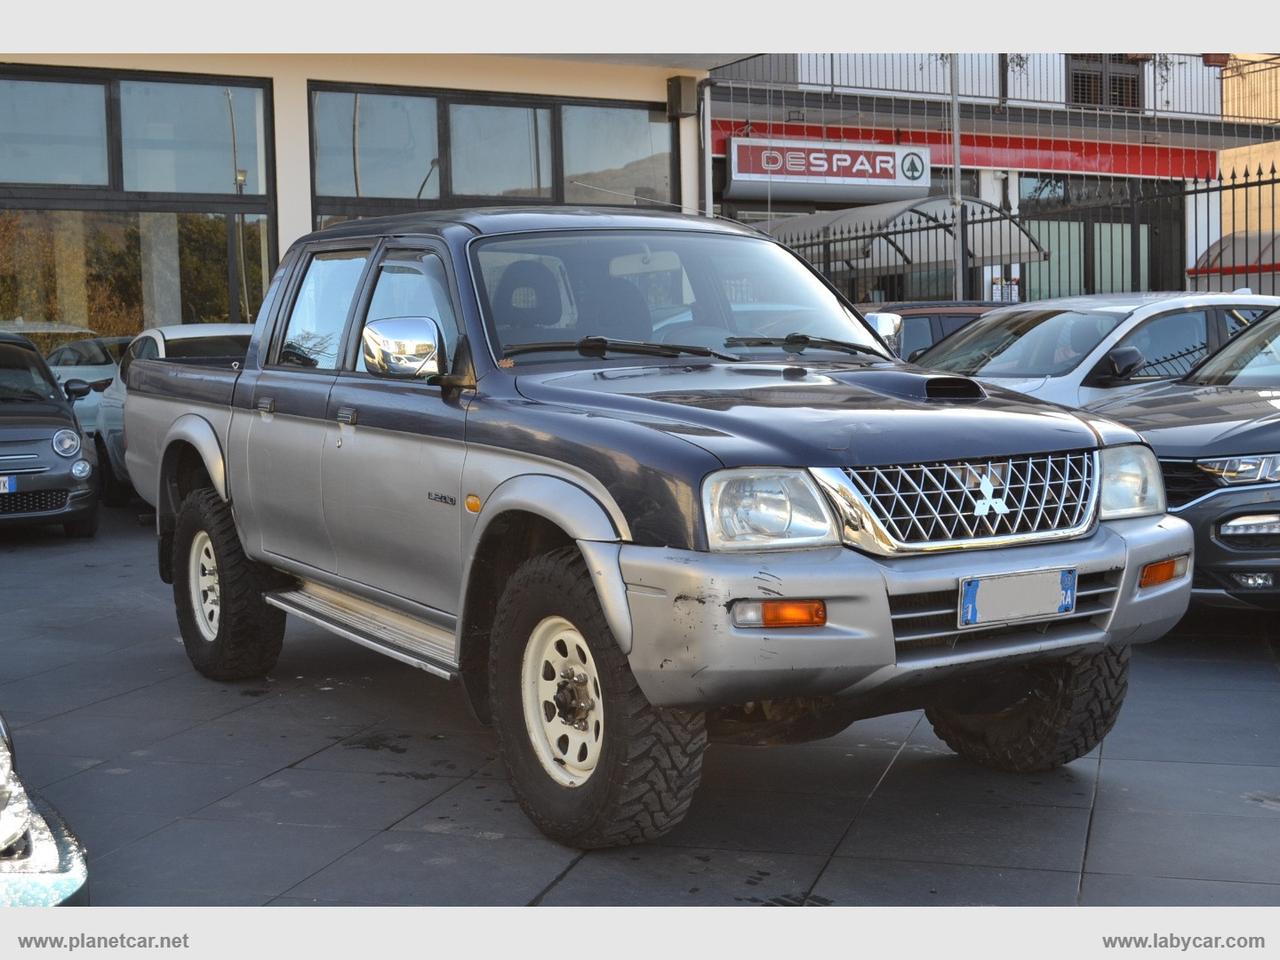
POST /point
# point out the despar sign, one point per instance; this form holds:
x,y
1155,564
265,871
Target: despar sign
x,y
825,170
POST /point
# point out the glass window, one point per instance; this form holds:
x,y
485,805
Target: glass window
x,y
1250,360
22,375
500,151
1023,342
622,150
375,145
1240,317
917,334
144,348
194,348
1171,345
953,322
192,138
53,132
413,285
314,334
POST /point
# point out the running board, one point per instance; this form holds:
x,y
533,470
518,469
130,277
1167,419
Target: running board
x,y
371,625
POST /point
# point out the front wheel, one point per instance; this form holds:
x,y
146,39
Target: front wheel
x,y
1063,711
592,762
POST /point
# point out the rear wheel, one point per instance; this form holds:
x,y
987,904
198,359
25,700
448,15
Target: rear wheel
x,y
1061,712
229,631
592,762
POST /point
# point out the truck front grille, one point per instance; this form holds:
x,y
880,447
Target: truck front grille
x,y
1184,481
33,501
926,623
934,503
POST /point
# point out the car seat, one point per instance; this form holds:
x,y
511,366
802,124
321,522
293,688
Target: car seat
x,y
526,300
621,312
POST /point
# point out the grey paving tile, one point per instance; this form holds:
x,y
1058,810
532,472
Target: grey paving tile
x,y
805,768
1164,675
234,740
673,876
924,774
936,828
225,858
1100,890
312,902
395,750
477,808
768,822
890,731
1187,845
401,867
1199,726
891,883
186,696
102,831
106,893
84,733
1134,786
156,788
38,770
329,798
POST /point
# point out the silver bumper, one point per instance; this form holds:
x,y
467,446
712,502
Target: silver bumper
x,y
685,650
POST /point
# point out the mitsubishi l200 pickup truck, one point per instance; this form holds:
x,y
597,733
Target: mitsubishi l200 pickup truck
x,y
640,482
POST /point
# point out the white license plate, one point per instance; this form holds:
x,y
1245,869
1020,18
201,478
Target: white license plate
x,y
8,484
1017,597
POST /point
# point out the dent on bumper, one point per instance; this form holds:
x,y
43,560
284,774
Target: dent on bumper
x,y
685,649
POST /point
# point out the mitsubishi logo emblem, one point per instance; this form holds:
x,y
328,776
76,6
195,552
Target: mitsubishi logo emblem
x,y
988,502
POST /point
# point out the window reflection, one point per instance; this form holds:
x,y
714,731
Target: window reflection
x,y
612,154
375,145
500,151
53,133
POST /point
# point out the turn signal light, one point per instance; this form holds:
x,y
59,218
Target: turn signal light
x,y
1162,571
780,613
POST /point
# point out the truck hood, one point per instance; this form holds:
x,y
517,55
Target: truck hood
x,y
1028,385
33,420
817,414
1184,420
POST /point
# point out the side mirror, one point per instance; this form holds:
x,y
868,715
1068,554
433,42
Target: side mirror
x,y
1123,362
889,326
77,389
403,348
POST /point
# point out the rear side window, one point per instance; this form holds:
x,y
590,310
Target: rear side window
x,y
916,335
1240,317
313,335
1172,344
143,348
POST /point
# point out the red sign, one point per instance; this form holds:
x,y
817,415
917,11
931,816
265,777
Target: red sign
x,y
814,169
809,161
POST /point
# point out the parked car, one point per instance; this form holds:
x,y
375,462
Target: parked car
x,y
89,358
46,462
188,341
1079,350
1217,434
925,322
455,440
42,864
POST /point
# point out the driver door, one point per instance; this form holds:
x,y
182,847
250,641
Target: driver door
x,y
1171,344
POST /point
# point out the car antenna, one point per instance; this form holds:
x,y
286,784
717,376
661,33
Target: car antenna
x,y
668,203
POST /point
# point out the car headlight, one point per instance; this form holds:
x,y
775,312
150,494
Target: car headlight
x,y
66,443
766,509
15,811
1257,468
1131,482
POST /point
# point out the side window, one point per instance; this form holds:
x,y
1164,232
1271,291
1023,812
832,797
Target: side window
x,y
413,284
141,349
952,323
1171,344
1240,317
62,357
313,335
916,335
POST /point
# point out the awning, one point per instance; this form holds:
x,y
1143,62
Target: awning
x,y
908,234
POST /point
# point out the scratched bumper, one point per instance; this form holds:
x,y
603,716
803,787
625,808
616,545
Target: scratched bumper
x,y
685,649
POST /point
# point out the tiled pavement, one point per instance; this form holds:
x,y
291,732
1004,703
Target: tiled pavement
x,y
349,778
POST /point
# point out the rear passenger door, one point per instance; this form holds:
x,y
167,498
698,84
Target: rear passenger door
x,y
392,468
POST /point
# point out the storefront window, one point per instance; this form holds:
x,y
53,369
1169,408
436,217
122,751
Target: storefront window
x,y
612,154
53,133
375,145
192,138
500,151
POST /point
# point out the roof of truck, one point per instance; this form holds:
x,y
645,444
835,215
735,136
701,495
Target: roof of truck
x,y
485,220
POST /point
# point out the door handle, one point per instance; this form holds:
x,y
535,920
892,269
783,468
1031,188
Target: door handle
x,y
347,415
266,405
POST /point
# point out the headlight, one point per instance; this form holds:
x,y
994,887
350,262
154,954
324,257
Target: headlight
x,y
1258,468
765,509
1131,483
15,812
66,443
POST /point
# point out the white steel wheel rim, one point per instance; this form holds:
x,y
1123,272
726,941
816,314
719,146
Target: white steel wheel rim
x,y
563,704
206,594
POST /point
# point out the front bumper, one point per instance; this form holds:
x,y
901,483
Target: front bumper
x,y
48,868
685,649
52,495
1217,557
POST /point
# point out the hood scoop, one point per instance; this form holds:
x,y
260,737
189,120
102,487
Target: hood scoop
x,y
920,387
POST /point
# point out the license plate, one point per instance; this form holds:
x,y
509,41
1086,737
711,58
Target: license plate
x,y
1017,597
8,484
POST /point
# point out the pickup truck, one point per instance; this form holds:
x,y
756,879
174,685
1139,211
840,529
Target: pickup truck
x,y
639,482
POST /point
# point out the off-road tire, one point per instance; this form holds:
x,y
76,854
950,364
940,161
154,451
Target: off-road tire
x,y
250,632
651,757
1068,708
82,528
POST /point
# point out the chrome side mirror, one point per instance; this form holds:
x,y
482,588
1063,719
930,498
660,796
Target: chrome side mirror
x,y
889,326
403,348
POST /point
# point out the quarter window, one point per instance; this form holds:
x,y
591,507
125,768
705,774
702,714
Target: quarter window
x,y
313,336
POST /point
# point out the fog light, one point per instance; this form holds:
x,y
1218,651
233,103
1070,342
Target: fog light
x,y
779,613
1253,581
1260,523
81,469
1162,571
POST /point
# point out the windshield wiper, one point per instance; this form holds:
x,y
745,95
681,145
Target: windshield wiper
x,y
599,346
802,340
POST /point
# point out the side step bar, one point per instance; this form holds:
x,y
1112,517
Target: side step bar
x,y
371,625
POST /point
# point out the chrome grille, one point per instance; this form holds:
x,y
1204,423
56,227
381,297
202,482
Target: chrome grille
x,y
936,503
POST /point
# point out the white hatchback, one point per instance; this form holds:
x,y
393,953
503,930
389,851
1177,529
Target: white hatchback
x,y
1079,350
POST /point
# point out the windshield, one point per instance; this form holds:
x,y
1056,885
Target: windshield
x,y
23,376
655,286
1022,343
1250,360
192,348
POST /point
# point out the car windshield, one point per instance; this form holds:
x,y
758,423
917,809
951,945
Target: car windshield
x,y
1022,343
192,348
654,286
23,376
1250,360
